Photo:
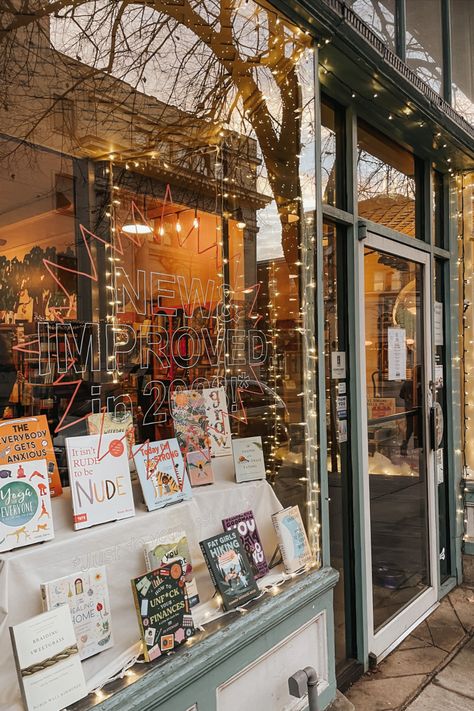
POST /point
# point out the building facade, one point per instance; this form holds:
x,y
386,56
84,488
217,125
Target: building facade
x,y
276,199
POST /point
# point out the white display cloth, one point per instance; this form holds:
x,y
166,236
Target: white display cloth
x,y
119,546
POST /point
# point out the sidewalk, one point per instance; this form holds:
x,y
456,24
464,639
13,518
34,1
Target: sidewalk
x,y
433,668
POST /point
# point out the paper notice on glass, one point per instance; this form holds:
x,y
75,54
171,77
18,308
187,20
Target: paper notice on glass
x,y
338,365
438,323
439,466
397,354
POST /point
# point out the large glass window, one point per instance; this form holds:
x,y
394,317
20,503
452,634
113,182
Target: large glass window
x,y
332,145
169,251
462,48
424,42
387,174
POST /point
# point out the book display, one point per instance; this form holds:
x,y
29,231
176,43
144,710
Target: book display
x,y
107,422
28,439
171,549
292,539
229,569
161,473
248,459
163,610
25,505
88,599
246,527
200,467
47,660
100,479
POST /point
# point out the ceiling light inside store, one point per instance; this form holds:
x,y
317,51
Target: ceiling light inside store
x,y
137,228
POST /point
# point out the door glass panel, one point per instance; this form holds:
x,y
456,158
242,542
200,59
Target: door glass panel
x,y
396,415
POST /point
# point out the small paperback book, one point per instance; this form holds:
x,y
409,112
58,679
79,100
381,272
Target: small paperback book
x,y
190,422
47,660
292,539
248,459
163,610
88,598
27,439
107,422
200,467
25,505
173,548
229,569
246,527
218,425
162,473
100,479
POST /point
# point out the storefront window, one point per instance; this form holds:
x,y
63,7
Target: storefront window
x,y
424,42
157,263
462,57
438,210
387,182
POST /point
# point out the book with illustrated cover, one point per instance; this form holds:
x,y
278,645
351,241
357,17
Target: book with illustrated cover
x,y
246,527
108,422
162,474
101,487
25,505
171,549
27,439
163,610
292,539
190,422
248,459
218,426
229,569
87,595
47,660
200,467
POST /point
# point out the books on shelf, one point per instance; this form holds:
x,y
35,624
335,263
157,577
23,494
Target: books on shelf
x,y
100,481
87,595
163,610
25,504
26,439
218,425
245,525
162,474
292,539
248,459
47,660
200,467
173,548
229,569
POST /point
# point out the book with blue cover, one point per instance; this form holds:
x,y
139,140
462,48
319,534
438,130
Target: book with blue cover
x,y
292,539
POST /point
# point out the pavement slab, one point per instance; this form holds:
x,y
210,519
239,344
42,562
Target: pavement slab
x,y
435,698
445,627
462,600
381,694
458,674
406,662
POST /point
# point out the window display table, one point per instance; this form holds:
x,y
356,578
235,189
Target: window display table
x,y
118,546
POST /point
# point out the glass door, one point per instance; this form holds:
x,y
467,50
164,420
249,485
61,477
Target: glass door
x,y
402,575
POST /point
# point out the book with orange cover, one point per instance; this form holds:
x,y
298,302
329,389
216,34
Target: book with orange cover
x,y
27,439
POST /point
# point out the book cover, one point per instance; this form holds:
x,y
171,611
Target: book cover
x,y
163,610
25,505
229,569
162,474
87,595
108,422
100,479
218,425
248,459
189,419
47,659
292,539
27,439
200,467
245,525
173,548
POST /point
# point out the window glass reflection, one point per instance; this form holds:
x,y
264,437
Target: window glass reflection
x,y
424,43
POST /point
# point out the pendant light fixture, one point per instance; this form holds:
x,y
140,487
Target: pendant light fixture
x,y
137,226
